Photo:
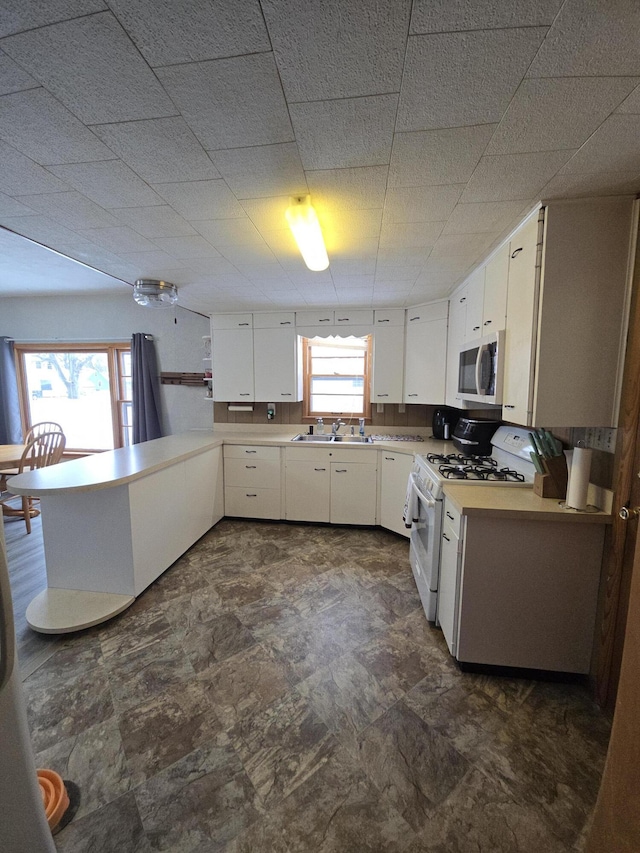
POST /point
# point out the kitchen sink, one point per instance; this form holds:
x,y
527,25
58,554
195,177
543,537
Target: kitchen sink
x,y
350,439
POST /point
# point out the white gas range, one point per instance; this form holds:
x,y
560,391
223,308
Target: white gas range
x,y
509,465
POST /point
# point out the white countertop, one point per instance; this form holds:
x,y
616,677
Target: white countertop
x,y
500,502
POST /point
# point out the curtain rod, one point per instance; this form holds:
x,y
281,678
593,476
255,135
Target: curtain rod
x,y
76,340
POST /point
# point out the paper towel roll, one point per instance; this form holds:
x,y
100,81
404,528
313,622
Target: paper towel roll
x,y
579,478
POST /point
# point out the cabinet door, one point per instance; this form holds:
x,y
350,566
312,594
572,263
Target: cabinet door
x,y
353,493
448,592
475,299
388,357
307,487
455,339
494,309
276,366
521,325
425,359
233,365
395,468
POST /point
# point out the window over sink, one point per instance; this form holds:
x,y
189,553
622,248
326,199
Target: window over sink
x,y
336,376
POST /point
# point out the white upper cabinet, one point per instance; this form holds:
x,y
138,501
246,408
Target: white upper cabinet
x,y
315,318
455,337
494,306
232,354
566,304
231,321
425,353
388,356
276,365
275,320
349,317
474,302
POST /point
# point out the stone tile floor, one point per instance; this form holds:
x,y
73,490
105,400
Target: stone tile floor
x,y
279,689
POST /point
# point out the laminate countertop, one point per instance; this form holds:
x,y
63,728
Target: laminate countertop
x,y
500,502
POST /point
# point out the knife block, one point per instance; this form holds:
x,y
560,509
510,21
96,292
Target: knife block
x,y
553,484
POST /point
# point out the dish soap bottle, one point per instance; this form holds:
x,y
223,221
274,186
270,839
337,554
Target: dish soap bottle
x,y
320,427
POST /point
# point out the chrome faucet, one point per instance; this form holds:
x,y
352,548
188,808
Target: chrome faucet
x,y
335,426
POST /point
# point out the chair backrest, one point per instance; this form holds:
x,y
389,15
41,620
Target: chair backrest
x,y
46,449
38,429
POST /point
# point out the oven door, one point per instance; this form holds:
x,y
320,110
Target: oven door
x,y
424,551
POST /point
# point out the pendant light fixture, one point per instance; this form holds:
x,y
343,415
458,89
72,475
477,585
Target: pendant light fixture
x,y
153,293
305,227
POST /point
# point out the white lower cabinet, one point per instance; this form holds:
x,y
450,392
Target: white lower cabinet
x,y
394,474
353,491
448,585
336,486
252,481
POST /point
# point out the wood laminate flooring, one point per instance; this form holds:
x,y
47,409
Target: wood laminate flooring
x,y
279,689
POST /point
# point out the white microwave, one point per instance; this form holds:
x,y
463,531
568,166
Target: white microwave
x,y
480,369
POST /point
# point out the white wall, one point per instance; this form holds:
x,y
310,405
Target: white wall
x,y
177,332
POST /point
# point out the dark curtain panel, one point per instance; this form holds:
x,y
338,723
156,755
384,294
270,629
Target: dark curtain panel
x,y
10,423
146,389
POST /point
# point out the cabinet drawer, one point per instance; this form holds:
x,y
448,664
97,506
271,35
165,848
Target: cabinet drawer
x,y
308,454
250,451
426,313
231,321
280,320
392,317
451,518
314,318
252,503
353,318
363,456
257,473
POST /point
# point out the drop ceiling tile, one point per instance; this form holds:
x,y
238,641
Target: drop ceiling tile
x,y
345,247
267,214
18,15
231,103
212,266
263,272
348,189
506,177
349,49
470,77
162,149
12,77
351,267
394,285
352,282
576,184
201,199
366,225
71,209
596,39
358,297
413,257
119,239
187,247
42,229
102,78
410,234
491,216
258,254
229,232
156,259
200,30
632,103
21,176
445,16
436,157
159,221
262,171
421,204
39,126
612,148
347,132
14,207
462,247
551,114
110,183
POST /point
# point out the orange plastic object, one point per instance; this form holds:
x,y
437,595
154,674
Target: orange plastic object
x,y
54,796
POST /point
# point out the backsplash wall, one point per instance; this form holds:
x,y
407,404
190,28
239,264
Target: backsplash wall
x,y
291,413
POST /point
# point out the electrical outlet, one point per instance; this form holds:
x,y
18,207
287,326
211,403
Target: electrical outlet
x,y
597,438
589,436
609,440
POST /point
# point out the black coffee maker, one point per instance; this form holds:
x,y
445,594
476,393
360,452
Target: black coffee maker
x,y
444,422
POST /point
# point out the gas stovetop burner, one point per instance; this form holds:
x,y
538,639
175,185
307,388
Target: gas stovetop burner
x,y
486,470
459,459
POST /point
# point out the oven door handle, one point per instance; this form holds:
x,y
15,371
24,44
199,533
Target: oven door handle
x,y
429,502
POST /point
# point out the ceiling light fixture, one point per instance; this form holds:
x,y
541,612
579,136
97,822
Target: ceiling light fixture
x,y
152,293
305,227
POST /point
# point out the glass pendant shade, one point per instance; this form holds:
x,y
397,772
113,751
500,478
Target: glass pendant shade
x,y
153,293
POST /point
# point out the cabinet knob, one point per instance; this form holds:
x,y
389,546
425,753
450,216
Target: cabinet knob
x,y
319,469
324,320
243,324
449,515
475,328
390,458
244,394
285,393
412,395
444,536
251,451
250,466
251,496
285,322
508,406
516,252
411,319
487,322
382,395
340,471
626,513
342,319
463,299
383,321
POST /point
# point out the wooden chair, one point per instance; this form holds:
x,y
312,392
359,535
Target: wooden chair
x,y
42,451
33,432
